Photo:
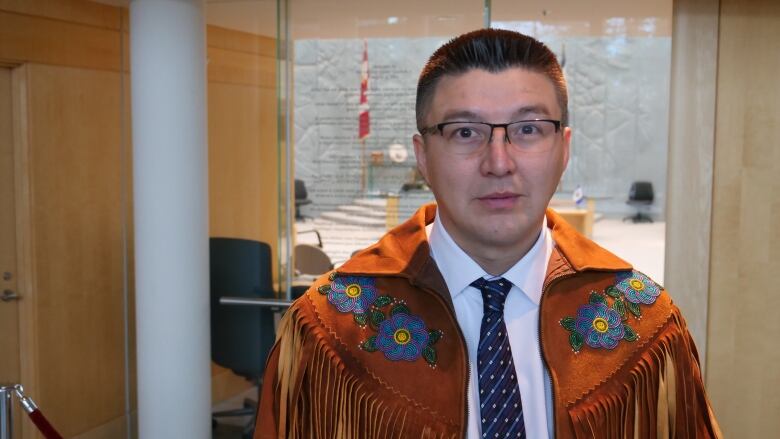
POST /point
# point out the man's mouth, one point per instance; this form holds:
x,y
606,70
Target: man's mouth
x,y
499,200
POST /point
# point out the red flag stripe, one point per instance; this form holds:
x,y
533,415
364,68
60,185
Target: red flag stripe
x,y
364,123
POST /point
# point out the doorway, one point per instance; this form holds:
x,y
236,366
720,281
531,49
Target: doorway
x,y
10,365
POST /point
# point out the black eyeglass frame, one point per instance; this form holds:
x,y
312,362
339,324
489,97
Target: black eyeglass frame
x,y
440,126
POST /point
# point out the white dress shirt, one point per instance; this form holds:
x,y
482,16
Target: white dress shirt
x,y
521,314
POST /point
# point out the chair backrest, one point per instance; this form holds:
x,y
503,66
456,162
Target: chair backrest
x,y
310,259
241,336
300,190
641,191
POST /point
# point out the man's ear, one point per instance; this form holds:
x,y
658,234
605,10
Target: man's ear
x,y
566,146
419,154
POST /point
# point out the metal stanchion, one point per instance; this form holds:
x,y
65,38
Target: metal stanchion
x,y
6,414
6,429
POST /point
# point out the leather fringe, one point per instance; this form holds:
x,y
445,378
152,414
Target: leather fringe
x,y
657,400
320,398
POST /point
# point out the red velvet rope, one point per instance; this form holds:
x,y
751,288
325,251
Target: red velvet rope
x,y
43,425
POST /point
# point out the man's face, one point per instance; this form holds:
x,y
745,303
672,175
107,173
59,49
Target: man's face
x,y
493,199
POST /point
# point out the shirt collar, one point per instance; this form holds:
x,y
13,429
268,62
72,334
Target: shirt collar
x,y
460,270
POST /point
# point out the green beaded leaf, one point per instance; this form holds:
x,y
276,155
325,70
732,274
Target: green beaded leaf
x,y
332,276
597,298
568,323
399,307
377,317
620,307
361,318
634,308
629,334
434,336
383,301
369,345
324,290
613,292
429,354
575,340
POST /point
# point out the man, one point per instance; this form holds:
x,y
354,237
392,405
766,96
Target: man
x,y
486,315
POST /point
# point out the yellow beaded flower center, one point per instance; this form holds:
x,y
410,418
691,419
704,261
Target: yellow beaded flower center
x,y
637,284
402,336
600,324
353,290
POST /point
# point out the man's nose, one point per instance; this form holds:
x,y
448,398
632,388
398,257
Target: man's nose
x,y
498,159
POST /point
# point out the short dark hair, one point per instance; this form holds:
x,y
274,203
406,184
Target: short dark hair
x,y
493,50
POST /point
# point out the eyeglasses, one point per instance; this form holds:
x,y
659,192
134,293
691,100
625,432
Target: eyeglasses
x,y
534,135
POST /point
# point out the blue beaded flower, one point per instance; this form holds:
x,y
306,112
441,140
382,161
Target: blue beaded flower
x,y
352,293
402,337
637,288
599,325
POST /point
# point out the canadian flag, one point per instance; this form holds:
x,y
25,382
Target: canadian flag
x,y
364,128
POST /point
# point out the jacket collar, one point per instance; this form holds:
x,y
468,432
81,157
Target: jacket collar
x,y
404,251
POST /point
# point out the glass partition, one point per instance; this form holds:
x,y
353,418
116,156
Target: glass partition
x,y
352,78
353,72
322,100
243,145
244,177
616,57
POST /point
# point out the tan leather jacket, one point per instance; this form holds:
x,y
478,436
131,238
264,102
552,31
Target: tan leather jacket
x,y
374,349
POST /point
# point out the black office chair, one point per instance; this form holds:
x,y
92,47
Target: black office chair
x,y
640,196
301,198
241,336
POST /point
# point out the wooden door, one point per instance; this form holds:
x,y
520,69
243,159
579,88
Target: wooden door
x,y
9,303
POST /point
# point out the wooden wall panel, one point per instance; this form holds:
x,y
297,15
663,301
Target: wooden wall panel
x,y
243,175
241,68
10,364
9,320
242,163
26,280
114,429
74,210
75,11
689,166
238,41
742,376
236,57
25,38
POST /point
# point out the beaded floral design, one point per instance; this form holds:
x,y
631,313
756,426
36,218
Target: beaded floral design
x,y
601,324
352,293
637,288
400,335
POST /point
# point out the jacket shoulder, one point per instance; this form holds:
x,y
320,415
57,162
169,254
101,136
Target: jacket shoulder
x,y
594,323
621,358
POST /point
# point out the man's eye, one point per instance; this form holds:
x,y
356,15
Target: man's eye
x,y
464,133
529,129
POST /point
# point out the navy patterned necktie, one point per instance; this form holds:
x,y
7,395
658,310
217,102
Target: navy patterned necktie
x,y
499,395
